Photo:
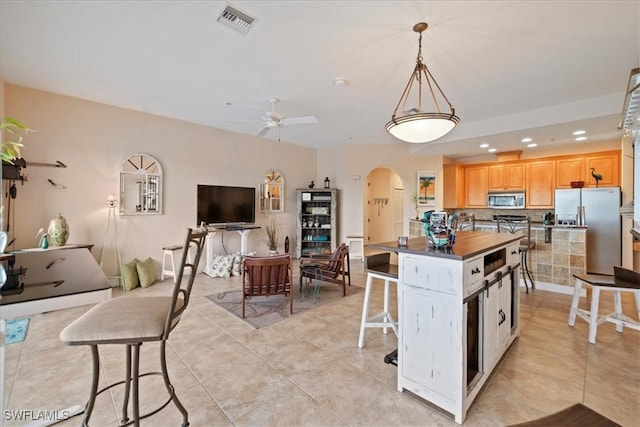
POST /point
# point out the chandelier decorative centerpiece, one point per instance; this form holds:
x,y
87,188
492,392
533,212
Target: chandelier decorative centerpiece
x,y
413,124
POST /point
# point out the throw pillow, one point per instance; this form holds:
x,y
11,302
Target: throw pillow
x,y
221,265
146,272
129,272
236,265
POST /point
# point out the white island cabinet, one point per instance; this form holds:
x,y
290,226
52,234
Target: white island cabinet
x,y
458,314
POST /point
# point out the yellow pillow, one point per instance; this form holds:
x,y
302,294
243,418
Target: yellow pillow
x,y
129,272
146,272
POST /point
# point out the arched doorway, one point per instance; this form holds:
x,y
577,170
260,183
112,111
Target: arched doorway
x,y
383,206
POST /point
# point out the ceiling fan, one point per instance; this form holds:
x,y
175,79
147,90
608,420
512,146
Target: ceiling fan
x,y
273,119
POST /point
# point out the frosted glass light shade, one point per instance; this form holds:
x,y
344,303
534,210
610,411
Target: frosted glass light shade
x,y
422,127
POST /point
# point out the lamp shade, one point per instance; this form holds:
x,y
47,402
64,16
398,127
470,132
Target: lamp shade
x,y
413,124
422,127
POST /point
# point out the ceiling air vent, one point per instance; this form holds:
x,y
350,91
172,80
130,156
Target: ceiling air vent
x,y
631,101
233,18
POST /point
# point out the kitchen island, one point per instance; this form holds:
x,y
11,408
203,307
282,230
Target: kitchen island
x,y
458,311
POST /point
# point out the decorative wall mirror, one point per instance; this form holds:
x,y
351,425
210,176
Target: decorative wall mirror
x,y
272,192
140,186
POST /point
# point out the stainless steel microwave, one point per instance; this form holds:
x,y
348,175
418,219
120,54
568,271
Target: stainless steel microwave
x,y
506,200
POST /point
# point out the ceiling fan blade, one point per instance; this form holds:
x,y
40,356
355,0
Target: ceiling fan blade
x,y
242,121
264,131
299,120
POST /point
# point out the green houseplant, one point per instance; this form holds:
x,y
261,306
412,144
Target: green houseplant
x,y
12,131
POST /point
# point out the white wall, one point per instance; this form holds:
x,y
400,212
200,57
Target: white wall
x,y
92,140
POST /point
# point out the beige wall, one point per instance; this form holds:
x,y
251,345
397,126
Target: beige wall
x,y
348,166
92,140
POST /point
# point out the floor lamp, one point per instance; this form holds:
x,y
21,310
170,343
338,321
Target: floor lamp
x,y
111,200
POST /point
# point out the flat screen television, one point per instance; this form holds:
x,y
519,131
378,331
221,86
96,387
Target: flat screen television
x,y
218,204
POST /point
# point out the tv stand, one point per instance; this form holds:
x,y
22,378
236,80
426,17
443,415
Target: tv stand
x,y
242,229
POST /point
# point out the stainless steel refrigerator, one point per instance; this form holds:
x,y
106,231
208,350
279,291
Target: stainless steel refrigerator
x,y
599,210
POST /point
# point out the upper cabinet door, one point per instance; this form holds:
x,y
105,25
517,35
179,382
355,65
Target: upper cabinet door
x,y
476,185
569,170
606,165
506,177
540,183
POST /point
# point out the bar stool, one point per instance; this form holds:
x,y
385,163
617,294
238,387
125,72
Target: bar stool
x,y
168,252
622,281
378,267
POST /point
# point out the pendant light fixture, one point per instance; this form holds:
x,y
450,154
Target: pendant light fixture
x,y
413,124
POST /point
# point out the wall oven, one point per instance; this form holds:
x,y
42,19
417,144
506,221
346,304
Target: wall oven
x,y
505,200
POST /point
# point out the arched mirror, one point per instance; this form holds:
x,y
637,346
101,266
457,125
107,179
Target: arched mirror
x,y
140,185
272,192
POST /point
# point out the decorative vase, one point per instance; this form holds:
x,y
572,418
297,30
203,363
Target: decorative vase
x,y
44,242
58,231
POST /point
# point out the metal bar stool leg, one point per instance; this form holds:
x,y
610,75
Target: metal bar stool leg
x,y
94,385
135,388
127,386
170,387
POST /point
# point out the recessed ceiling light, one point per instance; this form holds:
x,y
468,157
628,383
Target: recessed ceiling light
x,y
527,139
492,150
579,132
581,138
340,81
485,145
533,144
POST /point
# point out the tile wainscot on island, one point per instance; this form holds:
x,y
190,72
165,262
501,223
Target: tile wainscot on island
x,y
458,312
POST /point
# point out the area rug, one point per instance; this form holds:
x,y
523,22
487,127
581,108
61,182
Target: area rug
x,y
264,311
16,330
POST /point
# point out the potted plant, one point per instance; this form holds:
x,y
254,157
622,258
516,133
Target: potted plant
x,y
11,147
10,151
272,233
414,199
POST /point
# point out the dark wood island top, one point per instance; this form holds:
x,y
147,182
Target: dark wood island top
x,y
467,245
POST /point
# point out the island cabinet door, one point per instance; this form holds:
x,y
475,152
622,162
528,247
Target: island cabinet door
x,y
497,302
431,354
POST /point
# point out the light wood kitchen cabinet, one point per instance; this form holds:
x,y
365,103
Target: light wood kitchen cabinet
x,y
606,164
570,169
453,181
476,186
540,177
506,177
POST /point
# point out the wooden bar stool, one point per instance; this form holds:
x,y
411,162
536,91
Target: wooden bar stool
x,y
622,281
168,252
378,267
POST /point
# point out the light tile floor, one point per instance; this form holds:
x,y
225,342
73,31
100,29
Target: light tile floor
x,y
308,370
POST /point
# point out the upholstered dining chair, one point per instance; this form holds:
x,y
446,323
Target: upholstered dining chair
x,y
265,276
132,321
334,269
522,227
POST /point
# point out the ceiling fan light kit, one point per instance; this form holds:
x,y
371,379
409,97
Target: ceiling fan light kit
x,y
413,125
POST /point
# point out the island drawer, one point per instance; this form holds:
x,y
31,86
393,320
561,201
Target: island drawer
x,y
431,273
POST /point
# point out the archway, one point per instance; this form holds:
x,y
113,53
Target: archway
x,y
383,206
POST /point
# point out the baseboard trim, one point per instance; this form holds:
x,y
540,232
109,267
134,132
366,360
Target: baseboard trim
x,y
552,287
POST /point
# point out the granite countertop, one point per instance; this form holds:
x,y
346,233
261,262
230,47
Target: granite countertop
x,y
468,244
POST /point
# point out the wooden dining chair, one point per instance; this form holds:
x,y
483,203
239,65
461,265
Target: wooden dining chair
x,y
334,269
266,276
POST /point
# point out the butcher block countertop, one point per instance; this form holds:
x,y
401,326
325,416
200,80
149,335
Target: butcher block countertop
x,y
467,245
